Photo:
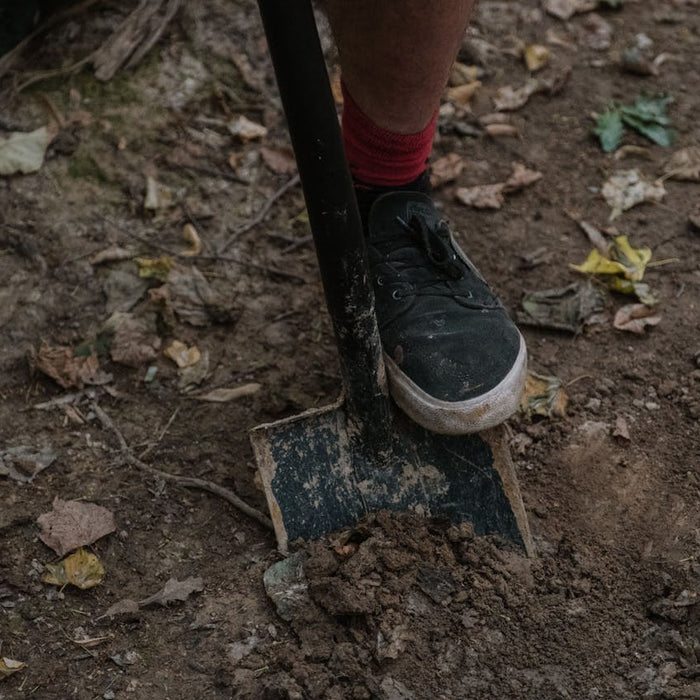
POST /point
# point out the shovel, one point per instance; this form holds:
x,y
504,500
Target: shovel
x,y
325,469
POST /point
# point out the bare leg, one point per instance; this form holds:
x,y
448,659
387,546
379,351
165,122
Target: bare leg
x,y
396,55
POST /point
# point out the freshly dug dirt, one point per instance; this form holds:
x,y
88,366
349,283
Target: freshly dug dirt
x,y
399,606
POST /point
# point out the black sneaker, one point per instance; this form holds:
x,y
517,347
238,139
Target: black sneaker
x,y
456,362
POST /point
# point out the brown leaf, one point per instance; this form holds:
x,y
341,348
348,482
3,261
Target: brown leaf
x,y
482,196
174,590
446,169
245,129
181,355
122,607
223,395
73,524
190,235
82,569
279,160
134,341
520,177
684,165
462,95
10,666
23,462
635,318
59,363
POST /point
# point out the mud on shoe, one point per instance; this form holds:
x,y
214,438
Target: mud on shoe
x,y
456,362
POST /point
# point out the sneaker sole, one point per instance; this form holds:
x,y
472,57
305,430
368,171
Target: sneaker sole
x,y
459,417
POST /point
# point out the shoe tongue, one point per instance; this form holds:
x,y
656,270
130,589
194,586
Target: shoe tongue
x,y
389,208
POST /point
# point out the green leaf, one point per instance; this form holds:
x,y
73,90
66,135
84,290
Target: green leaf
x,y
654,132
651,108
609,128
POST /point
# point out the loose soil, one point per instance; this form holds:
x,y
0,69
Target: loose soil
x,y
401,606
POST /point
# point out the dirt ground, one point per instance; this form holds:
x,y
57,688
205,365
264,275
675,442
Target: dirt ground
x,y
401,607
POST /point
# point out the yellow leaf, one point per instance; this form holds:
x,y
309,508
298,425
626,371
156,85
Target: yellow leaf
x,y
536,56
189,233
623,260
543,396
82,569
181,355
10,666
156,268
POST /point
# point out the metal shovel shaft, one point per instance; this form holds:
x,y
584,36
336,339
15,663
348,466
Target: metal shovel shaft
x,y
308,103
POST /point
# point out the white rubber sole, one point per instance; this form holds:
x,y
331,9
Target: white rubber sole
x,y
458,418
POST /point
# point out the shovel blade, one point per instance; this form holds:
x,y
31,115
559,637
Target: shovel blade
x,y
319,477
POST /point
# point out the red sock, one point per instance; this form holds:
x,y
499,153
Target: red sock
x,y
378,157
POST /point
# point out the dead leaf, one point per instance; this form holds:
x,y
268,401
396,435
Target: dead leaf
x,y
462,95
279,160
123,289
174,590
536,57
621,430
224,395
520,177
627,188
190,235
635,318
158,196
543,396
246,130
195,374
122,607
82,569
181,355
595,236
134,340
482,196
461,73
684,165
10,666
188,294
23,462
446,169
508,98
73,524
565,309
59,363
621,259
566,9
23,152
155,268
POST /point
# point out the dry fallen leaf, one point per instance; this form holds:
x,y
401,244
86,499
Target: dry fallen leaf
x,y
188,294
543,396
122,607
59,363
246,130
10,666
223,395
23,462
181,355
684,165
73,524
134,340
114,253
23,152
190,235
155,268
461,74
508,98
635,318
621,259
536,57
82,569
446,169
462,95
493,196
627,188
174,590
279,160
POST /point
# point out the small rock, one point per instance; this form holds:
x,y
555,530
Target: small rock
x,y
652,406
593,405
108,695
667,387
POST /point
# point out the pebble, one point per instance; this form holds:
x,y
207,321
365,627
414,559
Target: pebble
x,y
593,405
652,406
108,695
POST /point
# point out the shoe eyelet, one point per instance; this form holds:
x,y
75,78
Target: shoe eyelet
x,y
396,295
380,281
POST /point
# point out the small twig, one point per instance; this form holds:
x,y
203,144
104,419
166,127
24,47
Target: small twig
x,y
297,244
187,481
258,218
149,449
